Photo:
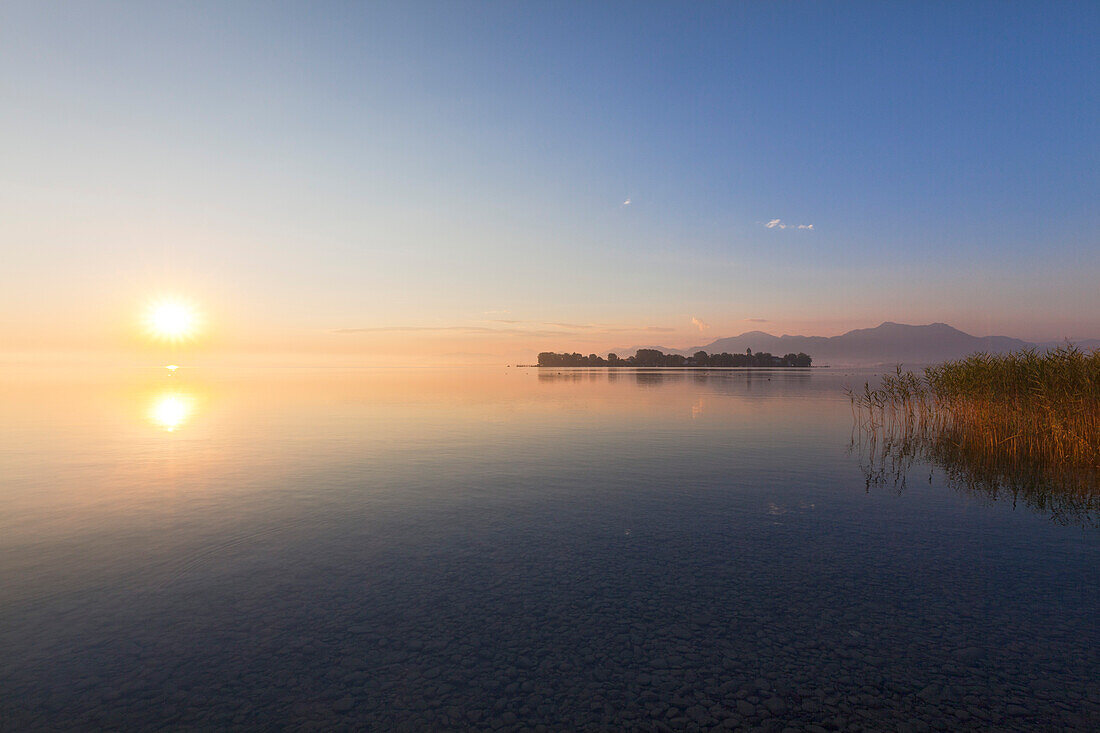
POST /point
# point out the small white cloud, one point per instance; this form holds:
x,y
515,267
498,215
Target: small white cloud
x,y
778,224
626,203
699,324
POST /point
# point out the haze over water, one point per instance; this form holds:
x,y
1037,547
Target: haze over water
x,y
501,548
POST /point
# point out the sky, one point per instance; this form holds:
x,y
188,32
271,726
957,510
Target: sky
x,y
482,181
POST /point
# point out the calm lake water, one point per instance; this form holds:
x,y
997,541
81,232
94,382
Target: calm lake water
x,y
508,548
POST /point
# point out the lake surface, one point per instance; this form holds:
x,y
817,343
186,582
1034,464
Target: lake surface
x,y
502,548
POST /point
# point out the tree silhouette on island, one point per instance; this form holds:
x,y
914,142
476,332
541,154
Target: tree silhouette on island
x,y
655,358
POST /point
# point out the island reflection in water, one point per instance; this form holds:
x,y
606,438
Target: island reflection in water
x,y
457,549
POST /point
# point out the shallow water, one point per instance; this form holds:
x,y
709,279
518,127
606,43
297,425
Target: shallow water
x,y
508,548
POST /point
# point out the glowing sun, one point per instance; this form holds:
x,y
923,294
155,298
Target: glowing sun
x,y
171,320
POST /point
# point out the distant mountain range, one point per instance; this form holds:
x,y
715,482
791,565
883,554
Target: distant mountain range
x,y
889,343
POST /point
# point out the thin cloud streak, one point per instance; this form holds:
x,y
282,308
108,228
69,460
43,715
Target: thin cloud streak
x,y
562,330
462,330
418,329
577,326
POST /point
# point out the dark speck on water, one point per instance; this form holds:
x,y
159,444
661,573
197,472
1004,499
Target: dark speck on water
x,y
440,549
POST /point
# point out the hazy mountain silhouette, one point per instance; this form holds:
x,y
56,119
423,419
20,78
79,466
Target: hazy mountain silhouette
x,y
889,343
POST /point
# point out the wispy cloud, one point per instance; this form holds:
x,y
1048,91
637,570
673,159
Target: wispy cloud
x,y
572,326
699,324
757,320
779,224
419,329
456,330
509,328
555,324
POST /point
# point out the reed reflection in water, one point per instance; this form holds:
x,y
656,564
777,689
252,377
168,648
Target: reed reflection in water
x,y
890,454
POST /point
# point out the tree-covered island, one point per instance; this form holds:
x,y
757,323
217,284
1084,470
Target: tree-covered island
x,y
655,358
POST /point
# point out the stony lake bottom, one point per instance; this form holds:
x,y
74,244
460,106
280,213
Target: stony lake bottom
x,y
520,549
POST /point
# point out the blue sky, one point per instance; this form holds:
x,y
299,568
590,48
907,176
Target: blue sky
x,y
324,175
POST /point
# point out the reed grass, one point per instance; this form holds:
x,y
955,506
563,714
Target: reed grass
x,y
1025,423
1041,406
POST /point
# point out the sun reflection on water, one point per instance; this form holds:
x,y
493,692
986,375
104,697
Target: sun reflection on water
x,y
170,410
